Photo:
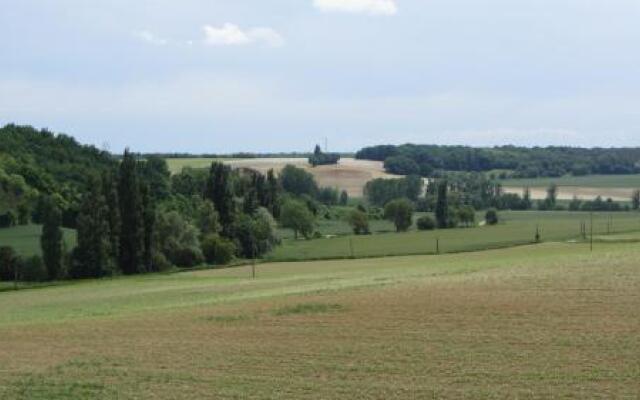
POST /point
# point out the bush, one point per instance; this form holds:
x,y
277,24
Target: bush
x,y
491,217
426,223
187,257
8,261
359,222
33,270
217,250
400,212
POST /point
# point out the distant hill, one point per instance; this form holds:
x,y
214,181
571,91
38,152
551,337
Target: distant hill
x,y
34,162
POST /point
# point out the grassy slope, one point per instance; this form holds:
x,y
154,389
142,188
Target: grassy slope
x,y
517,228
538,322
26,239
595,181
177,164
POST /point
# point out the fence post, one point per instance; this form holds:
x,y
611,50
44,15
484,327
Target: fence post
x,y
591,241
351,248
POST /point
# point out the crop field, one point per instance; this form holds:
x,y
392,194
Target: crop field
x,y
25,240
517,227
535,322
617,187
350,174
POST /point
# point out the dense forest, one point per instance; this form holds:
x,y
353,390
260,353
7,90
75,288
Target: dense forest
x,y
516,162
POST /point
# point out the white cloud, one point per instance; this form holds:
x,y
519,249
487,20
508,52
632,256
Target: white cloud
x,y
232,35
373,7
149,37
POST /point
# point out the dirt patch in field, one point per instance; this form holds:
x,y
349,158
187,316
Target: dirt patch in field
x,y
583,193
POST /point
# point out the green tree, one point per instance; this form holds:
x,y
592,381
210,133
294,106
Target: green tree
x,y
359,222
344,198
218,250
635,200
177,239
110,192
148,220
400,212
272,194
155,172
466,216
208,221
442,205
491,217
298,181
296,216
426,223
92,257
132,235
51,239
219,190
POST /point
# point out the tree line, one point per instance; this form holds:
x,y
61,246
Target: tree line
x,y
515,162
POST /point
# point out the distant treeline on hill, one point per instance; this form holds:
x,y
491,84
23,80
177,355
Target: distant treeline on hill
x,y
239,155
517,162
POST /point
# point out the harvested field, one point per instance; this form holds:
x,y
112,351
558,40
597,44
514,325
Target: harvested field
x,y
583,193
350,174
548,321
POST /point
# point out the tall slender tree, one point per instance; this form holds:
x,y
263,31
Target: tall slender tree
x,y
131,254
110,192
635,200
93,256
219,190
442,205
149,220
51,239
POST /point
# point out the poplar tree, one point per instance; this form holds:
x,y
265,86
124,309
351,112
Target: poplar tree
x,y
110,191
218,190
93,256
442,206
51,239
131,248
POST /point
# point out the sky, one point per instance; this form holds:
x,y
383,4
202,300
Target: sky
x,y
221,76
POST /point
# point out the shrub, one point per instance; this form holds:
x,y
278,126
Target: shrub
x,y
426,223
400,212
359,222
491,217
217,250
33,270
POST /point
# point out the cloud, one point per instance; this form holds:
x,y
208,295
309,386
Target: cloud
x,y
149,37
372,7
232,35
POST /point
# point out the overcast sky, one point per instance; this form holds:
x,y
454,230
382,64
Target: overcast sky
x,y
281,75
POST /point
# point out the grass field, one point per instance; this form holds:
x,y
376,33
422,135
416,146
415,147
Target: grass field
x,y
26,239
517,227
536,322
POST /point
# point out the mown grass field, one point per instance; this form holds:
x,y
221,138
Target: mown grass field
x,y
539,322
26,239
517,227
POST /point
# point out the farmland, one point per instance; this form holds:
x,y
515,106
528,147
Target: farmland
x,y
350,174
543,321
516,228
617,187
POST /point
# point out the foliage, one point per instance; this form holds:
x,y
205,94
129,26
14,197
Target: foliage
x,y
359,222
51,240
177,240
401,165
380,191
466,216
426,223
524,162
491,217
344,198
295,215
256,234
328,196
320,158
217,250
442,206
635,200
400,212
132,232
297,181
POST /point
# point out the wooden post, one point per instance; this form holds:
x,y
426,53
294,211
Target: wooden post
x,y
437,245
15,276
